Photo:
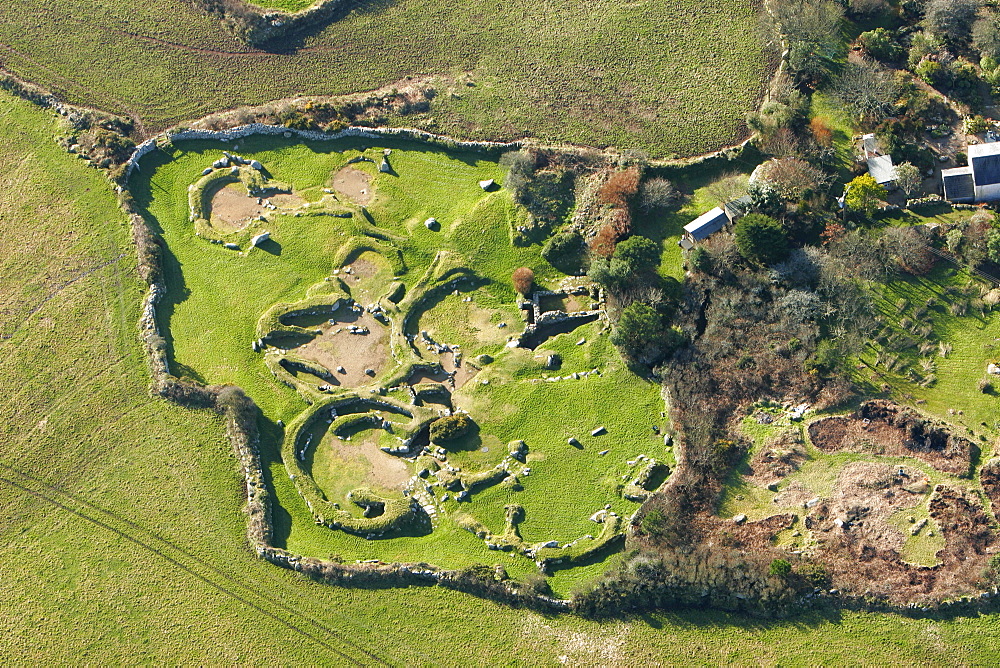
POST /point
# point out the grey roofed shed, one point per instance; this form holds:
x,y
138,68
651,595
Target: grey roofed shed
x,y
738,208
958,185
706,224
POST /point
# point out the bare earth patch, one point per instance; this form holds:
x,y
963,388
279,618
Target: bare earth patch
x,y
337,347
233,209
778,459
353,184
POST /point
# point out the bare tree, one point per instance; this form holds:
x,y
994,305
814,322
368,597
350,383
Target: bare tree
x,y
867,90
730,186
812,30
792,177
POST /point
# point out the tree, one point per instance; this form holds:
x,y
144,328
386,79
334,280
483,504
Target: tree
x,y
910,250
812,29
765,199
881,44
993,245
761,239
908,178
868,90
792,177
523,279
986,34
864,194
729,186
657,193
637,254
951,19
638,327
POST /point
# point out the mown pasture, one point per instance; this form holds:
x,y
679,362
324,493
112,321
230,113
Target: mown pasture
x,y
671,77
77,417
216,297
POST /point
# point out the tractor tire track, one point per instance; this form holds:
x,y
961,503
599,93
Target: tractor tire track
x,y
242,598
59,289
90,93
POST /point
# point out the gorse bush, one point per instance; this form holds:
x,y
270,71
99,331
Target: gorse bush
x,y
450,427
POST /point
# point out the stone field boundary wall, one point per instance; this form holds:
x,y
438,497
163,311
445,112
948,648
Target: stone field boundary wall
x,y
242,429
253,129
241,426
241,423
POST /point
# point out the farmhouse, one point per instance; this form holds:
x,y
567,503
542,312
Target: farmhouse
x,y
712,221
977,182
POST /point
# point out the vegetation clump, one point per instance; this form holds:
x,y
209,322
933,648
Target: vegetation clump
x,y
450,427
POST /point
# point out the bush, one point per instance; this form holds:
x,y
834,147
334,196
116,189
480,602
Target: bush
x,y
566,252
881,44
815,575
639,326
761,239
986,386
657,193
603,243
450,427
636,254
780,567
523,279
619,190
701,260
821,132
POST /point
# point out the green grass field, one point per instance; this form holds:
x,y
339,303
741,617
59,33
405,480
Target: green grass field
x,y
166,577
609,74
210,341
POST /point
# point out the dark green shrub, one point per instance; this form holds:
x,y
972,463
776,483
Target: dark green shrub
x,y
881,44
450,427
701,260
761,239
638,326
780,567
566,252
814,575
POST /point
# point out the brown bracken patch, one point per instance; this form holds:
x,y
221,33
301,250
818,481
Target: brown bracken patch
x,y
881,427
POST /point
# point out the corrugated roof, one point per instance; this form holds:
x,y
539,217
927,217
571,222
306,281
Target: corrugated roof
x,y
707,224
739,207
958,185
881,169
